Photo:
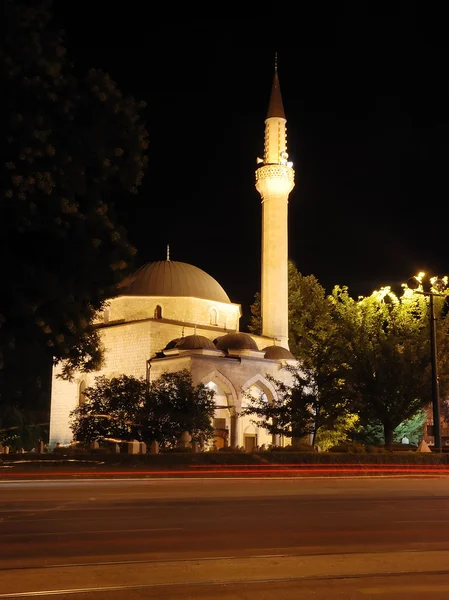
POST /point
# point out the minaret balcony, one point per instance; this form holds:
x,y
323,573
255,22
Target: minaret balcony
x,y
276,172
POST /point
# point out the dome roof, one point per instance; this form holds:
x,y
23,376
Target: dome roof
x,y
172,278
195,342
236,341
278,353
172,344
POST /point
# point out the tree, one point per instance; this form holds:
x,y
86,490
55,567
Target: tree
x,y
255,323
445,409
111,410
369,356
291,412
372,432
71,145
309,312
125,408
17,429
340,431
387,355
315,340
174,405
412,428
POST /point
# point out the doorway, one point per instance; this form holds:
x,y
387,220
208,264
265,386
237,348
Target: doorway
x,y
249,442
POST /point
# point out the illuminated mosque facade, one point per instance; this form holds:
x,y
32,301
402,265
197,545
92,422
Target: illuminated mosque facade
x,y
174,316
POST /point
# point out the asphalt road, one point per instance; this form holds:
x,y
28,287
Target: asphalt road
x,y
225,538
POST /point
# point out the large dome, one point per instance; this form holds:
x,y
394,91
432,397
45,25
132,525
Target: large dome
x,y
172,278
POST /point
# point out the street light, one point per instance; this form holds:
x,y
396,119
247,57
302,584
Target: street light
x,y
435,284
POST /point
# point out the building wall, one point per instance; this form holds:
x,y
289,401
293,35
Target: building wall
x,y
234,378
129,344
127,347
191,311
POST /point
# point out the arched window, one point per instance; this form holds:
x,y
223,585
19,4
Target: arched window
x,y
81,396
106,315
213,316
158,312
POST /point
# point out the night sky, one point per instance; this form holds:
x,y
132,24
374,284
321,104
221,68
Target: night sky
x,y
366,99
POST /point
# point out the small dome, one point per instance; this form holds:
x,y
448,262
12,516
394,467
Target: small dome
x,y
195,342
172,278
278,353
172,344
236,341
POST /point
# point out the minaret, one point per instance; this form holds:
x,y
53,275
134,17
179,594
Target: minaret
x,y
275,179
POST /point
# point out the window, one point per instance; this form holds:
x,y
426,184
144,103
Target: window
x,y
158,312
213,316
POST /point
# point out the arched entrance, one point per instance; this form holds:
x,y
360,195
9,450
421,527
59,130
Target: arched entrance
x,y
224,419
253,436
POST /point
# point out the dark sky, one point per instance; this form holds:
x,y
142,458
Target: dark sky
x,y
366,98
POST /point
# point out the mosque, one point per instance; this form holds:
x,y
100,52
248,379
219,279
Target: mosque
x,y
174,316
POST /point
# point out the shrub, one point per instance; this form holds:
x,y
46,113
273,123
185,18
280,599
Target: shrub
x,y
231,449
347,448
375,449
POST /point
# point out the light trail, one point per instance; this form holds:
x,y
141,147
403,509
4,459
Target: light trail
x,y
298,470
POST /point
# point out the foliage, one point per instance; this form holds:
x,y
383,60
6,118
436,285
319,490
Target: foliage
x,y
315,340
445,409
17,429
348,447
412,428
369,356
174,405
369,433
309,313
310,322
340,432
291,412
373,432
255,324
386,352
124,408
71,145
111,410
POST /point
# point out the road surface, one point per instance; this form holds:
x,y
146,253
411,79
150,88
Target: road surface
x,y
225,538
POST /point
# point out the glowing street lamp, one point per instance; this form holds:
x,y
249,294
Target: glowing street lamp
x,y
414,283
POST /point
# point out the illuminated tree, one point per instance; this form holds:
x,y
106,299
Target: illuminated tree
x,y
315,340
174,405
341,431
412,428
71,145
110,410
386,354
125,408
369,356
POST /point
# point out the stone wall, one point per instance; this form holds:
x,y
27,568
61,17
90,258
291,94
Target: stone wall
x,y
191,311
128,345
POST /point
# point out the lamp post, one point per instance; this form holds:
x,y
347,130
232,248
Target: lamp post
x,y
414,283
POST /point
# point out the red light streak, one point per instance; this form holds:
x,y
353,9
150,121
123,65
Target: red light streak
x,y
320,465
299,469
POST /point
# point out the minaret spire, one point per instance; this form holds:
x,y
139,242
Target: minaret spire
x,y
276,106
275,179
